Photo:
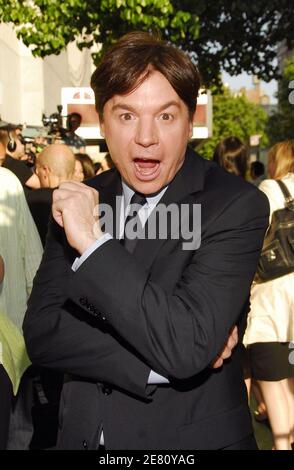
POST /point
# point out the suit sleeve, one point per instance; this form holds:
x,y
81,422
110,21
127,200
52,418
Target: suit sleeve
x,y
57,336
180,334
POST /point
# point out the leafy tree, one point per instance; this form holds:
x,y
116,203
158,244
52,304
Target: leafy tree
x,y
281,123
231,35
234,115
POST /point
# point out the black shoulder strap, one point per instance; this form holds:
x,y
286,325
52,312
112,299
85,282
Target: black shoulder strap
x,y
285,191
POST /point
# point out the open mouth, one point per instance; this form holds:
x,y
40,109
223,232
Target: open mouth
x,y
146,169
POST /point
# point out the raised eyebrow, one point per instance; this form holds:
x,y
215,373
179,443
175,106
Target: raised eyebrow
x,y
127,107
123,107
168,105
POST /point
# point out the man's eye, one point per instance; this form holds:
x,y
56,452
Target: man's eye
x,y
127,116
166,117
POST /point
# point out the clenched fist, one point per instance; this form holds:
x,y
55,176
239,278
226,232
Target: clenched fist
x,y
74,209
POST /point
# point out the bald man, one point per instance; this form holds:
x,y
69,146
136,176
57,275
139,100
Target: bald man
x,y
54,165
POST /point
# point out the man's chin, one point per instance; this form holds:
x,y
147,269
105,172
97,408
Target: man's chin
x,y
149,188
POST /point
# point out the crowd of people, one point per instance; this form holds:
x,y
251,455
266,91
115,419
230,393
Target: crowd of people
x,y
28,177
158,367
270,327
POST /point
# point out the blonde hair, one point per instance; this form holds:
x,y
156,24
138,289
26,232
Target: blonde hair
x,y
281,156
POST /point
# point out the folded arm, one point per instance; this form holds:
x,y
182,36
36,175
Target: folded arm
x,y
57,336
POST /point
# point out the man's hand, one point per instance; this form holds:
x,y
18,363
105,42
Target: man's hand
x,y
232,341
73,209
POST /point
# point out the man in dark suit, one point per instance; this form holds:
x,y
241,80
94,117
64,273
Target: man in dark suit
x,y
136,323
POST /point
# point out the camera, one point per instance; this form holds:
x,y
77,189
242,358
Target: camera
x,y
54,121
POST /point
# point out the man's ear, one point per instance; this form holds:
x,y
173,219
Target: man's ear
x,y
101,127
47,170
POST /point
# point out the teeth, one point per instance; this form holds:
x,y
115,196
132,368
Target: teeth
x,y
144,171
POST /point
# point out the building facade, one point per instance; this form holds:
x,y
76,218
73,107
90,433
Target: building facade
x,y
31,86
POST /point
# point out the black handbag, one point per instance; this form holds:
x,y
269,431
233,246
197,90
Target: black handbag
x,y
277,255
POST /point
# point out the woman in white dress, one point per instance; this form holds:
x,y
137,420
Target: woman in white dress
x,y
270,329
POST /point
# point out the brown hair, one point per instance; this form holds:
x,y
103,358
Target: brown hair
x,y
129,62
281,156
87,165
232,155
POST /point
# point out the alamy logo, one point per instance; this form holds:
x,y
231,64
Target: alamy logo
x,y
173,221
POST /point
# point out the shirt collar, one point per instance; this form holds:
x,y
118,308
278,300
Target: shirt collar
x,y
151,200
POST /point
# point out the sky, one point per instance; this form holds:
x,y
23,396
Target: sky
x,y
238,81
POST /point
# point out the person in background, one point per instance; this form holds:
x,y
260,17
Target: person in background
x,y
13,364
21,250
107,163
11,152
54,165
20,244
5,389
84,167
98,168
232,155
257,172
79,172
69,135
270,327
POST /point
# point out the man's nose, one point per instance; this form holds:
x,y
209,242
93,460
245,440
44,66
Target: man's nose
x,y
146,133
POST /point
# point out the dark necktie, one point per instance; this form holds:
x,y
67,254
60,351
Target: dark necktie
x,y
139,201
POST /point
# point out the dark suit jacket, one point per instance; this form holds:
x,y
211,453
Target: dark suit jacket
x,y
161,307
40,203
